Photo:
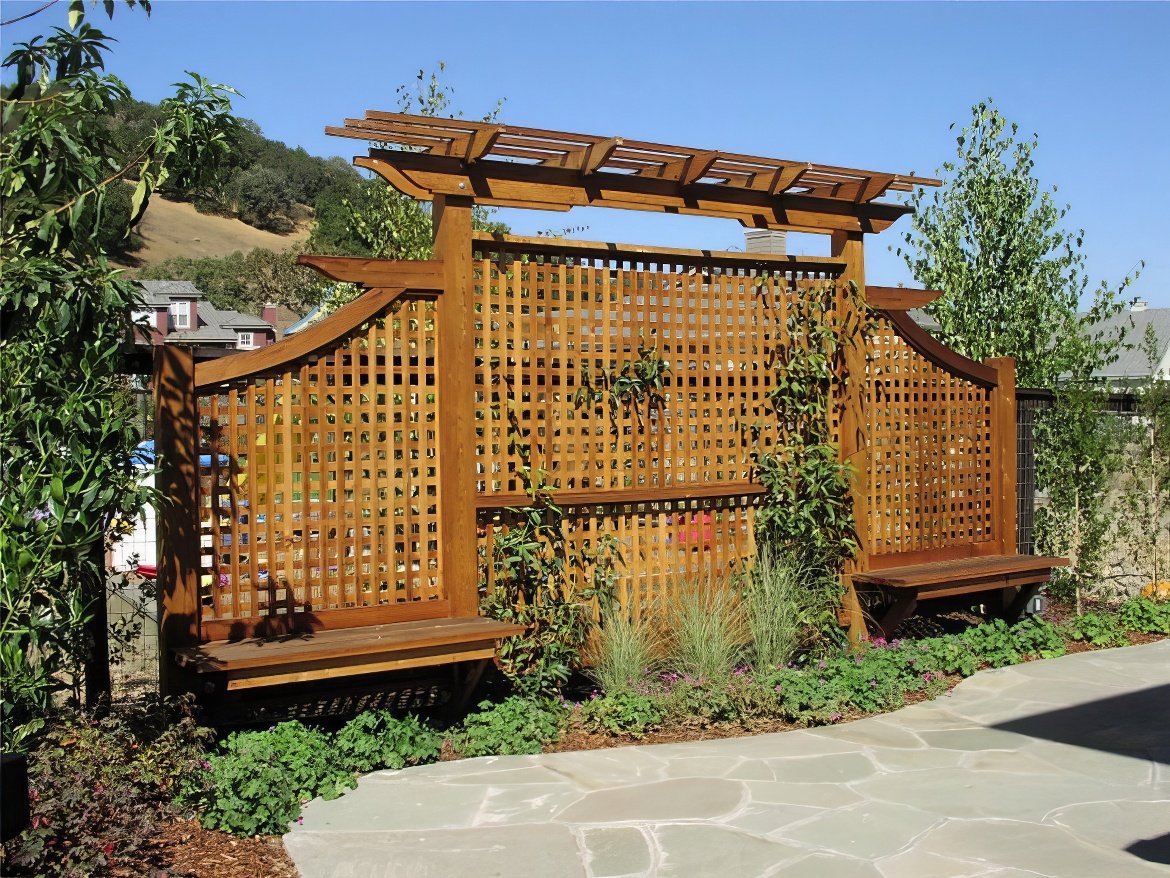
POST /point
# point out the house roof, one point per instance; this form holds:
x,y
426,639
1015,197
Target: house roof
x,y
216,326
160,293
1132,363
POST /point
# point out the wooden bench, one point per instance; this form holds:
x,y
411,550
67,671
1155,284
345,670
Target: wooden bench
x,y
345,652
1016,577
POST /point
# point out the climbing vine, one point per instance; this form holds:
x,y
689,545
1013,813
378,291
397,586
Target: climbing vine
x,y
532,584
809,508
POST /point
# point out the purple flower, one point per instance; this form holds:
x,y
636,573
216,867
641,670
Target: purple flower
x,y
924,648
594,695
41,514
822,665
879,642
205,765
835,718
301,819
928,676
779,689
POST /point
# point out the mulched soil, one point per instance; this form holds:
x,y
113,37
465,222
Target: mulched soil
x,y
187,849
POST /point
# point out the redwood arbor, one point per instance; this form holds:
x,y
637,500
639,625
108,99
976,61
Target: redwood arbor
x,y
354,475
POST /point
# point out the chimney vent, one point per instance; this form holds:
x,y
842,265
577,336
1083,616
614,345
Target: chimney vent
x,y
766,241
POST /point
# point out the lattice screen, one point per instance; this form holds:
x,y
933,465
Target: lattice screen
x,y
931,461
550,323
319,485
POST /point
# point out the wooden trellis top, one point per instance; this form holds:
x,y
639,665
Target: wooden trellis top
x,y
509,166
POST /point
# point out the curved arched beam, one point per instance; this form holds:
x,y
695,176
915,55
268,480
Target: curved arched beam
x,y
935,351
274,357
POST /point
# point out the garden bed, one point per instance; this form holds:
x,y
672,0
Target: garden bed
x,y
118,795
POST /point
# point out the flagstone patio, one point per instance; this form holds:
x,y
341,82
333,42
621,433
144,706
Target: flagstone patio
x,y
1056,768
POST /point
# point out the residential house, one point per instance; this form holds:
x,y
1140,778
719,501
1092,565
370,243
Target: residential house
x,y
178,313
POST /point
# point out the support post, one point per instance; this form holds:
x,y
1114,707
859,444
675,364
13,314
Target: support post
x,y
176,446
459,560
853,430
1004,441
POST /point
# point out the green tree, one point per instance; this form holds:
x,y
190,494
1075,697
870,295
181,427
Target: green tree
x,y
246,282
1145,494
1012,277
65,327
1080,451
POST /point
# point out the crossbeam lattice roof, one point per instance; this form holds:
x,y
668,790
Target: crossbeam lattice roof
x,y
510,166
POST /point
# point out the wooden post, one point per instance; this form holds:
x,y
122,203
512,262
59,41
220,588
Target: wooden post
x,y
1004,440
176,446
853,432
459,560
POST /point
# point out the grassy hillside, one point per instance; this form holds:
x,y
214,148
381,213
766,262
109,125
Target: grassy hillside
x,y
172,228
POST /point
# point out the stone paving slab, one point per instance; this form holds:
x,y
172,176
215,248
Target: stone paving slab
x,y
1056,768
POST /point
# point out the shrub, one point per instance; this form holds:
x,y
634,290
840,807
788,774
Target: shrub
x,y
1097,629
1035,636
377,739
263,197
1145,615
100,788
256,783
706,631
514,726
623,713
627,650
992,643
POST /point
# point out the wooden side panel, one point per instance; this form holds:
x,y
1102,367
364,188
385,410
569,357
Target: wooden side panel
x,y
176,443
934,464
319,485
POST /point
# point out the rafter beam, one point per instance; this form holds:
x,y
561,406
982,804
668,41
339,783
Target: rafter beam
x,y
597,154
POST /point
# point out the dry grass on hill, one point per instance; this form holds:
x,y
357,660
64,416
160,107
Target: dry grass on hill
x,y
172,228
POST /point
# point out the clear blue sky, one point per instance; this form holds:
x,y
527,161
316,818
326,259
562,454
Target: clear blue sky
x,y
870,86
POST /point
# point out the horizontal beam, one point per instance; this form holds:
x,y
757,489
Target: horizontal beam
x,y
419,275
627,496
494,183
638,252
898,298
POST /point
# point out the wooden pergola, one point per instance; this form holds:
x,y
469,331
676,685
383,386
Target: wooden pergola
x,y
507,166
367,456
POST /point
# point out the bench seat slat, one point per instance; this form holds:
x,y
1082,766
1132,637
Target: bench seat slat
x,y
958,571
347,646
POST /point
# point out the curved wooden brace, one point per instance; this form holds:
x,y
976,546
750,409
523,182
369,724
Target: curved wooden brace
x,y
934,350
215,372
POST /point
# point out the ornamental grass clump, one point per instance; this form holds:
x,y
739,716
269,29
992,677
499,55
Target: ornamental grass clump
x,y
626,651
788,600
705,631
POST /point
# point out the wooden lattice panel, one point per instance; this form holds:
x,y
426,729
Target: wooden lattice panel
x,y
931,461
663,545
319,485
544,320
